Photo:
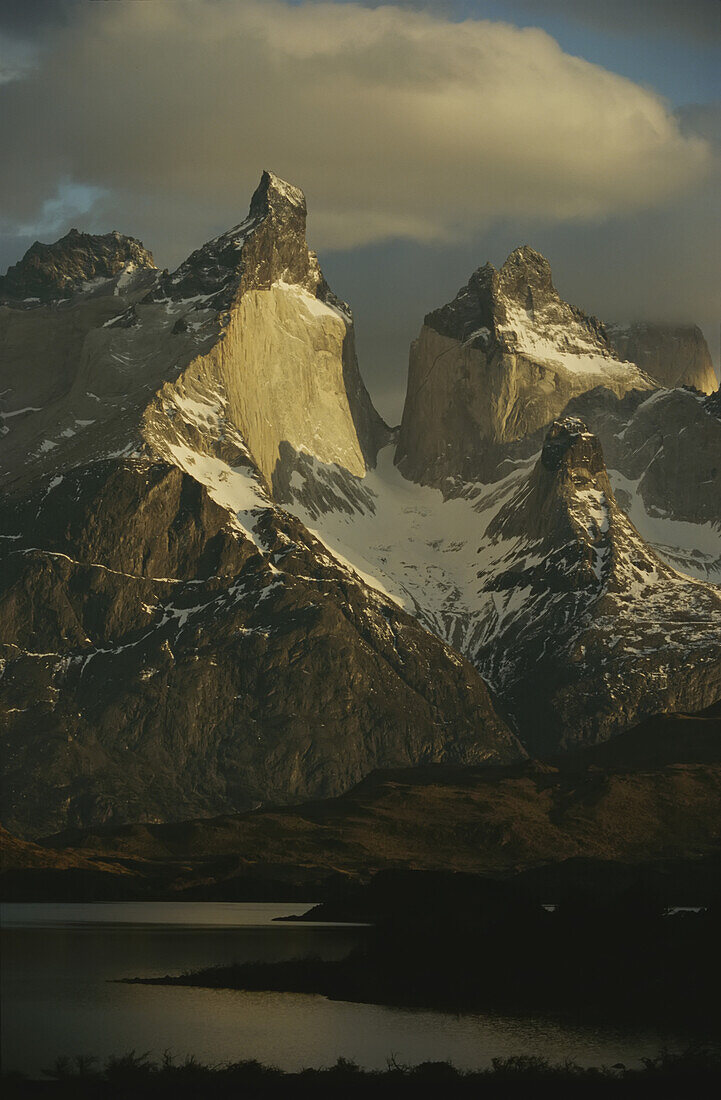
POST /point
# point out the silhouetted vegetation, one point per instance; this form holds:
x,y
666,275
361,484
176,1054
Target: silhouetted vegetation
x,y
693,1073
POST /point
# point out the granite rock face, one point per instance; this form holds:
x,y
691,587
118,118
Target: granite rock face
x,y
281,344
476,409
248,323
673,355
495,367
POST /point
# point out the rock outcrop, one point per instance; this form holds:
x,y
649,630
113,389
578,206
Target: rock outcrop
x,y
664,459
78,261
673,355
495,366
587,630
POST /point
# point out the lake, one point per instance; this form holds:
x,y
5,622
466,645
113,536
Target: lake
x,y
59,997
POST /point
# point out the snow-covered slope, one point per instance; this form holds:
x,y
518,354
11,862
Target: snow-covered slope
x,y
538,578
406,540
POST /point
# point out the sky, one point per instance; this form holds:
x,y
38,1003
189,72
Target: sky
x,y
428,138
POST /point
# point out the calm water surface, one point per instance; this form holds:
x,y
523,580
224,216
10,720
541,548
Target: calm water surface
x,y
58,997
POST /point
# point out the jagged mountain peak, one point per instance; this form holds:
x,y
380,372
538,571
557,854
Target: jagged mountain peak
x,y
246,329
712,404
158,452
584,617
48,272
565,499
276,195
482,309
526,269
570,446
267,247
280,344
496,366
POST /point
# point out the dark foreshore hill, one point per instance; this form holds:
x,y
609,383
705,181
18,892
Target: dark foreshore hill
x,y
650,797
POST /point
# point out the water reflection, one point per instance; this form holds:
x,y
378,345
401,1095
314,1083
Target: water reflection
x,y
58,996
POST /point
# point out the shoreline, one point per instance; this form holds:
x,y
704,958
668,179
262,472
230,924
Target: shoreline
x,y
436,967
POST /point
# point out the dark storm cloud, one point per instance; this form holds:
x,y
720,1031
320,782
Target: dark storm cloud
x,y
397,123
425,147
697,19
29,18
655,265
703,119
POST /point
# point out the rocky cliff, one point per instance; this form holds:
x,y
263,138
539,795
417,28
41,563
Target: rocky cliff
x,y
159,663
664,458
587,628
495,366
541,580
286,360
248,321
490,368
673,355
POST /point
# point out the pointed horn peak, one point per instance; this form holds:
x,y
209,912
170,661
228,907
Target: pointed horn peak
x,y
275,194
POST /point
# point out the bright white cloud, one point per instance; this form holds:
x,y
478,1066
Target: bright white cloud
x,y
395,122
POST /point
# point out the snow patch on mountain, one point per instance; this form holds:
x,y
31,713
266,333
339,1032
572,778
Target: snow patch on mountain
x,y
691,548
428,554
235,488
571,347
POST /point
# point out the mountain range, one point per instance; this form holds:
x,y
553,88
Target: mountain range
x,y
227,582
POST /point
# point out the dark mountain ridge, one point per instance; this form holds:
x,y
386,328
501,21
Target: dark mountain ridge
x,y
648,798
49,272
185,632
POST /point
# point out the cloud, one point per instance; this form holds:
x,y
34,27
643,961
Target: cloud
x,y
699,20
659,265
29,18
396,122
